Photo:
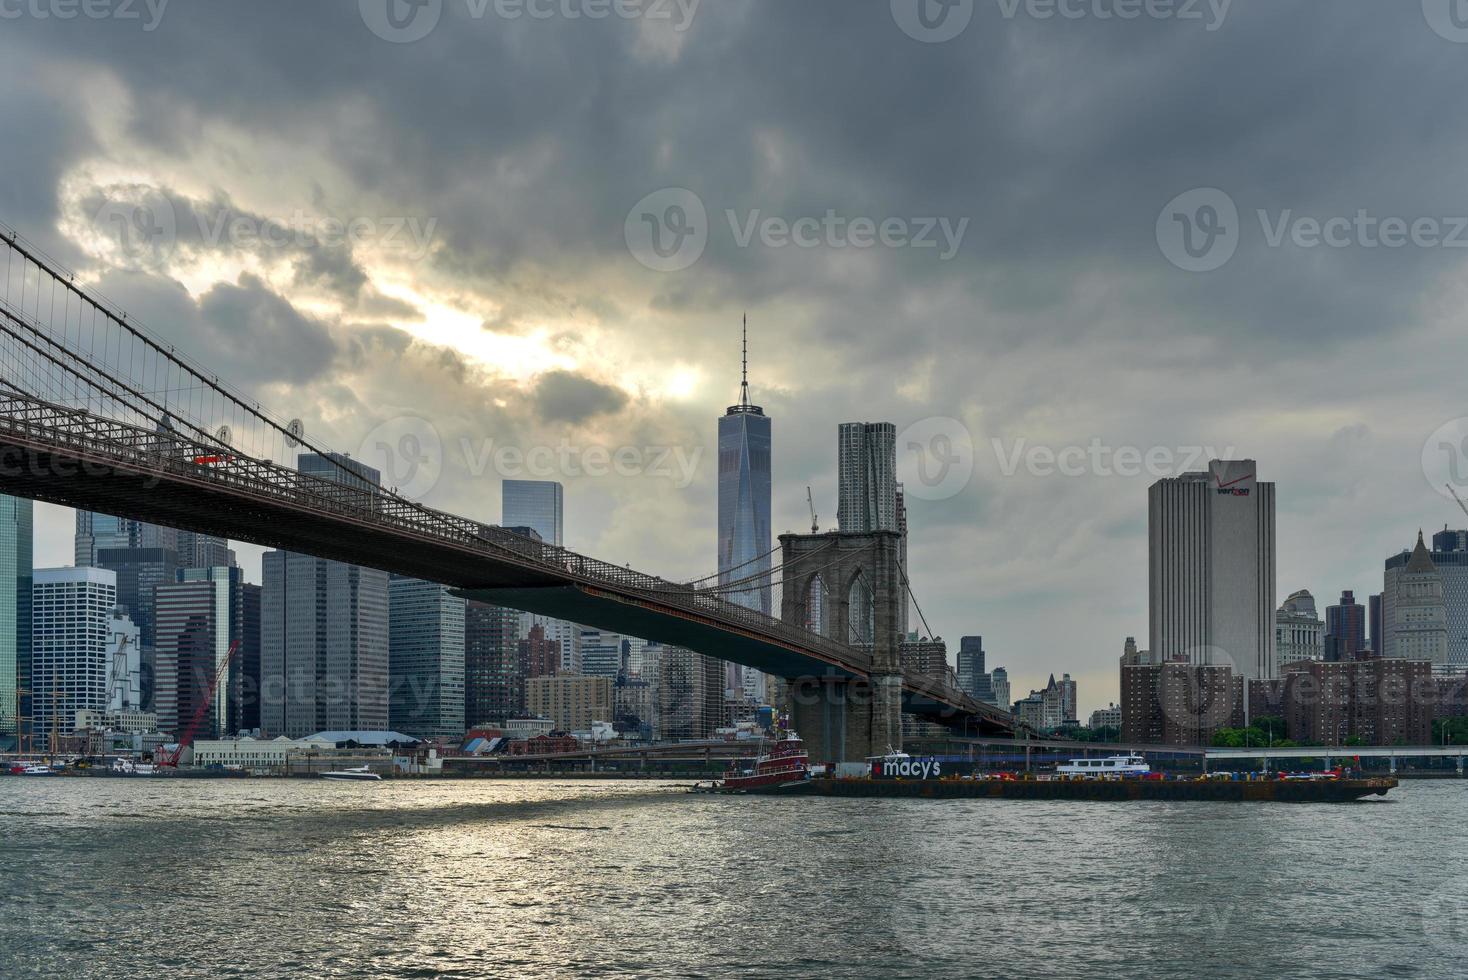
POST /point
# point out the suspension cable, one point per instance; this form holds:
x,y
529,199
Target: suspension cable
x,y
202,381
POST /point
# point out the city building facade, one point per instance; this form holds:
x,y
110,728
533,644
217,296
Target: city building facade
x,y
494,680
17,569
1451,562
601,653
541,655
538,504
867,477
1107,717
1211,543
425,659
95,531
324,646
925,656
973,679
573,702
999,682
1345,629
324,660
1299,633
125,664
71,619
1179,702
690,696
1050,708
199,616
1419,628
1369,701
140,571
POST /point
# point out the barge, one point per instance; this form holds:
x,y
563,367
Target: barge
x,y
1095,790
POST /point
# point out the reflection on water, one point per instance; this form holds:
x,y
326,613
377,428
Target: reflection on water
x,y
273,878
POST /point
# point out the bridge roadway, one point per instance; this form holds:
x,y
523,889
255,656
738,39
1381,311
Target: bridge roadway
x,y
66,456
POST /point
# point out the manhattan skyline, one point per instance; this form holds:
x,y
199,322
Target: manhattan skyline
x,y
1055,323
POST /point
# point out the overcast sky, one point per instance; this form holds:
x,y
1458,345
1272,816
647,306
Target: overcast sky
x,y
1025,235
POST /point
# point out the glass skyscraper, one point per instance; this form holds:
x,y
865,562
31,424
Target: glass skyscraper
x,y
426,659
744,516
17,537
198,617
95,532
744,499
534,503
539,505
323,632
867,491
494,683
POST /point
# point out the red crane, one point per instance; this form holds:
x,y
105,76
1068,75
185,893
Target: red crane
x,y
169,757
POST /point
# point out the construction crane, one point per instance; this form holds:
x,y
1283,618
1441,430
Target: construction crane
x,y
169,757
1458,499
811,503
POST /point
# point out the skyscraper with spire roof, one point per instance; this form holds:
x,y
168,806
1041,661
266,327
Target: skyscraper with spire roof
x,y
1420,630
744,506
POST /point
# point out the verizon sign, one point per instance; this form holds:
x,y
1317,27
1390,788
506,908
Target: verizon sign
x,y
1232,478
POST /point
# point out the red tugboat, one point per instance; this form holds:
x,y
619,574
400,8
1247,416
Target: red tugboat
x,y
785,764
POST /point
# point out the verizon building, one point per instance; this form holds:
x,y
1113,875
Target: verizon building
x,y
1211,569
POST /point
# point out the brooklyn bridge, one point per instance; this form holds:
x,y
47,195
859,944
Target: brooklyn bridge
x,y
96,413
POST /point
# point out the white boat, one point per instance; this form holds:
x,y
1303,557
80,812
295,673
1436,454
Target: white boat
x,y
1112,767
127,767
37,770
894,763
360,774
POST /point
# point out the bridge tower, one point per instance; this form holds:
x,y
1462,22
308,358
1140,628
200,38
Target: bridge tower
x,y
848,587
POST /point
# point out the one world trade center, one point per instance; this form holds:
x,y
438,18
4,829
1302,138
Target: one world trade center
x,y
744,512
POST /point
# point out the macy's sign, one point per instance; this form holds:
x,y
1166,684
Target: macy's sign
x,y
907,768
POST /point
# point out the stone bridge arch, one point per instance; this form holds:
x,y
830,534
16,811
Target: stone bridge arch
x,y
842,719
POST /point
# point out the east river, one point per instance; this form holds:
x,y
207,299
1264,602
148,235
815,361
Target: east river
x,y
111,878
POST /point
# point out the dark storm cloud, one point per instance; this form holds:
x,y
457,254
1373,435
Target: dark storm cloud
x,y
564,396
44,130
1060,141
242,331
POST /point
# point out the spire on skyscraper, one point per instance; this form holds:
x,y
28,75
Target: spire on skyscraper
x,y
744,368
1421,560
744,406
